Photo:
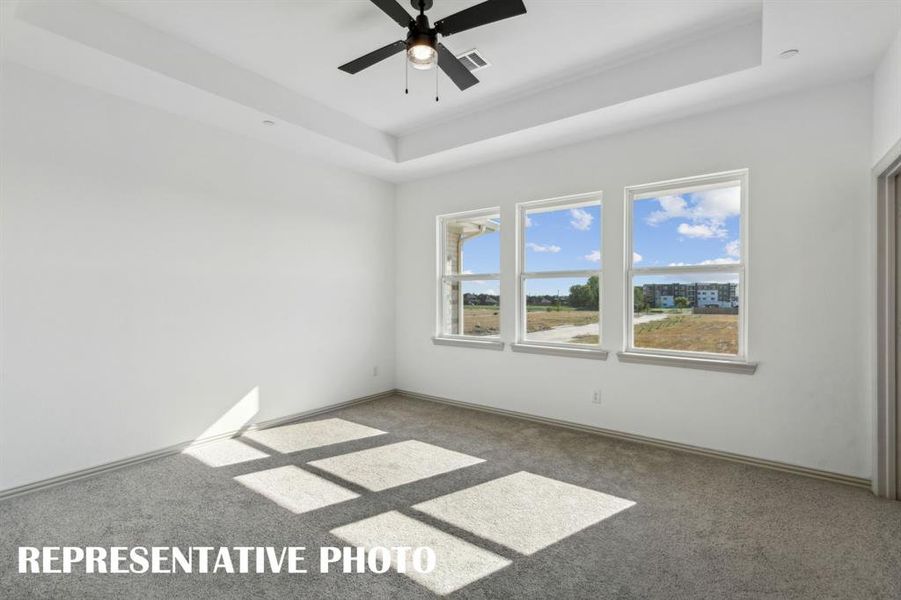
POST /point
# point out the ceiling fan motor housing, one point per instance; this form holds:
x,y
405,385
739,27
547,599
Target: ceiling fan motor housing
x,y
421,34
421,44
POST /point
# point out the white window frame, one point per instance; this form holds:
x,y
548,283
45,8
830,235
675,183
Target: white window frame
x,y
676,187
440,337
552,204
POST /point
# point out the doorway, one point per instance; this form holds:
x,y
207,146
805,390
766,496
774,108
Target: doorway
x,y
887,472
896,184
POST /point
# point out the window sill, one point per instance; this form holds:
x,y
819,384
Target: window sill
x,y
708,364
591,353
468,343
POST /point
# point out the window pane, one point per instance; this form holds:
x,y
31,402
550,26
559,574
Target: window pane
x,y
473,245
563,310
472,308
691,228
693,312
563,239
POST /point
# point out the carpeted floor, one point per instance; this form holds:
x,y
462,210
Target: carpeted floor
x,y
672,525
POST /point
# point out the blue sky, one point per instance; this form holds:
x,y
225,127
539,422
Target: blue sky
x,y
700,228
688,229
482,254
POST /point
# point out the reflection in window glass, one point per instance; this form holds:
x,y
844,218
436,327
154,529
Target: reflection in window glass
x,y
472,308
694,312
562,239
563,310
470,299
693,228
473,245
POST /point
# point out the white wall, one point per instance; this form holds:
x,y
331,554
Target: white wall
x,y
155,270
887,101
808,404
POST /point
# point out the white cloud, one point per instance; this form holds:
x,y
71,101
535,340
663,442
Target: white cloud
x,y
581,219
543,247
692,277
636,257
528,221
710,261
718,204
491,292
595,256
671,207
733,248
705,213
702,230
474,281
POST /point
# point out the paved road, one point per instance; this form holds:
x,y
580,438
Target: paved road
x,y
568,332
563,334
649,318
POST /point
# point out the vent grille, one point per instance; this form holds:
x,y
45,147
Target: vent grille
x,y
473,60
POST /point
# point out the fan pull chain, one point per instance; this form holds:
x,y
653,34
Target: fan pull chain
x,y
436,82
406,76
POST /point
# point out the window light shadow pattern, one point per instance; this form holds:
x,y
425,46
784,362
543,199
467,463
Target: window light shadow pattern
x,y
523,511
311,434
458,563
236,418
295,489
389,466
224,452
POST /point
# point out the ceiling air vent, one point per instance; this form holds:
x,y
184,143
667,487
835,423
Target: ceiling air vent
x,y
473,60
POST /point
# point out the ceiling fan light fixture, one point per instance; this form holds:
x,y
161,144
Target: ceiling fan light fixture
x,y
421,44
422,55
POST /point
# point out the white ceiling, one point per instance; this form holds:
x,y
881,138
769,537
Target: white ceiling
x,y
300,45
567,70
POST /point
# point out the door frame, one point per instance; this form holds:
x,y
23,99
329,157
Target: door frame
x,y
886,480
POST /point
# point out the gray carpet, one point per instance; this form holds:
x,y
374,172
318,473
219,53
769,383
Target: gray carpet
x,y
700,527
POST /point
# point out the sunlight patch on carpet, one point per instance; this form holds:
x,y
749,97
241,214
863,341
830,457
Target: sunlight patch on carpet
x,y
397,464
224,452
523,511
295,489
458,563
311,434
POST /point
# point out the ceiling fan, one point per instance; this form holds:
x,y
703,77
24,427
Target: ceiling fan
x,y
422,45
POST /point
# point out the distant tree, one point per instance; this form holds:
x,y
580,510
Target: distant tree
x,y
585,295
638,299
681,302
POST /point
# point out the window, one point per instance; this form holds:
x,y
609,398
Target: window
x,y
469,275
686,267
560,272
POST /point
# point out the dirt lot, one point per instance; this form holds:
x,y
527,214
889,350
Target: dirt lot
x,y
484,320
698,333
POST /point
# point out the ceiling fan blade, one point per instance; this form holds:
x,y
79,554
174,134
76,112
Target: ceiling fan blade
x,y
454,69
480,14
355,66
395,11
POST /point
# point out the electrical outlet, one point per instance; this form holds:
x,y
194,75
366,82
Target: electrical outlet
x,y
596,397
375,371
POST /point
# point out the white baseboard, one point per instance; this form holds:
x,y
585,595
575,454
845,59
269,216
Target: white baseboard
x,y
177,448
748,460
740,458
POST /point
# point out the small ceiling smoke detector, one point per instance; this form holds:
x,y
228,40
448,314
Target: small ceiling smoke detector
x,y
473,60
790,53
268,123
